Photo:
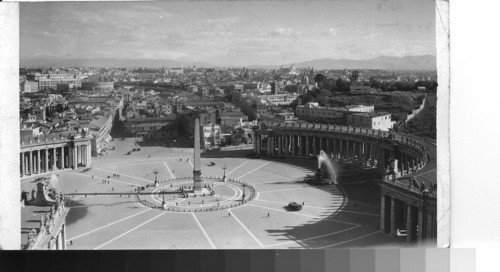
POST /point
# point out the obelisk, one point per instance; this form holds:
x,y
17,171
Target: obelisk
x,y
197,161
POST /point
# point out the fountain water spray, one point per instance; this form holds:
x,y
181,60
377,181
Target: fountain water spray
x,y
324,161
54,181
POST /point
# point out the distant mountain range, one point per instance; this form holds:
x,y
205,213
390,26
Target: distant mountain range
x,y
425,62
422,63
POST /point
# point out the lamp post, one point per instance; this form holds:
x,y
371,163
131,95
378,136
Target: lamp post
x,y
156,180
243,196
224,167
163,196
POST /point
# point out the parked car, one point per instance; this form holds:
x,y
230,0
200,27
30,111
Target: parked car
x,y
295,206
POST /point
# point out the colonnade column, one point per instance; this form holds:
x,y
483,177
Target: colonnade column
x,y
428,228
382,212
70,157
25,164
409,223
38,159
320,144
420,224
87,157
30,162
84,154
54,159
285,142
356,149
279,145
372,158
307,146
78,155
349,148
393,216
33,162
257,144
22,163
46,166
293,145
314,146
75,157
334,147
342,147
269,144
363,151
299,144
63,158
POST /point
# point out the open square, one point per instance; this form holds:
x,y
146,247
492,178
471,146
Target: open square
x,y
328,218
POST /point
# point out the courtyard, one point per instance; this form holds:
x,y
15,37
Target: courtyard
x,y
345,215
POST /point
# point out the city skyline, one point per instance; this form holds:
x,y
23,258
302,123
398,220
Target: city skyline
x,y
228,33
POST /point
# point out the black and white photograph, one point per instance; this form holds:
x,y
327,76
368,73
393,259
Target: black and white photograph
x,y
230,125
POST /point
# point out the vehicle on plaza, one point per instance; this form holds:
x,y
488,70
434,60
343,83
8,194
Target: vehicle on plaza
x,y
294,206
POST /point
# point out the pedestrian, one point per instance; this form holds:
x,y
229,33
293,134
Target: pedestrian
x,y
92,176
70,242
302,203
229,214
268,214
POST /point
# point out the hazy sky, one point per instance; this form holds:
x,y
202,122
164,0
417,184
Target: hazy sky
x,y
228,33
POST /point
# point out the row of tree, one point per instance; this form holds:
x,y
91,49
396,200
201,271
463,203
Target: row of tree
x,y
341,85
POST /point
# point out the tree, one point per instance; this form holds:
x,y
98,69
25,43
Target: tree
x,y
342,86
319,78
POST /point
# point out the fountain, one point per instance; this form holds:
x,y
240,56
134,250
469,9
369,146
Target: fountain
x,y
54,181
325,172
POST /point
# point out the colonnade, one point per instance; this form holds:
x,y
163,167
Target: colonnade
x,y
365,150
405,209
397,215
44,159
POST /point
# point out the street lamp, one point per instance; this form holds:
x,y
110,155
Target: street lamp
x,y
156,180
163,194
243,196
224,167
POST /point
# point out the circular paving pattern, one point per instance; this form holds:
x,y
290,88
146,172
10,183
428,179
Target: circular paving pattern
x,y
214,195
